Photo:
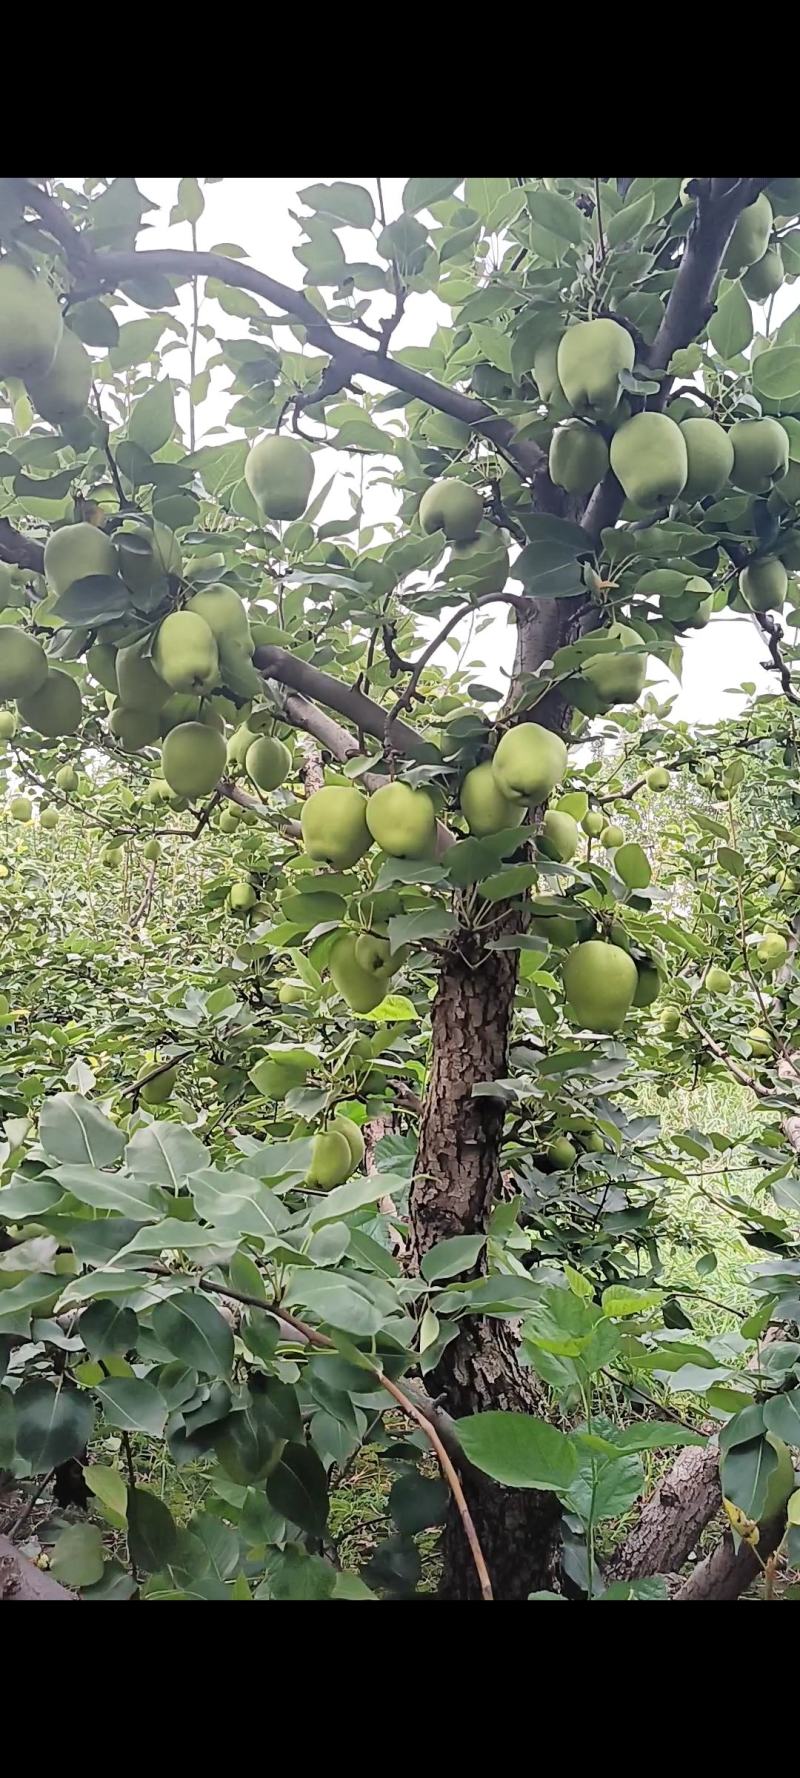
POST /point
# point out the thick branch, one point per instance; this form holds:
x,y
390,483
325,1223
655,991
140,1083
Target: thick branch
x,y
18,550
365,715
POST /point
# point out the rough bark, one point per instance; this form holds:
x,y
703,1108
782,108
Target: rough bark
x,y
21,1581
727,1572
676,1514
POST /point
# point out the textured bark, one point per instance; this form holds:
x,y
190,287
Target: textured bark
x,y
676,1514
727,1572
21,1581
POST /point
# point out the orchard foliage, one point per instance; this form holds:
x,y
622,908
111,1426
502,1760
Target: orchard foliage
x,y
255,807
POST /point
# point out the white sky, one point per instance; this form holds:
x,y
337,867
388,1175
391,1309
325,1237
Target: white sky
x,y
255,213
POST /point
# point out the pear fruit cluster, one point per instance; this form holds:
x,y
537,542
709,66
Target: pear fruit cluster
x,y
36,346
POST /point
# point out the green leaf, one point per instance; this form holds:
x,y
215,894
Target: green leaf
x,y
632,866
53,1424
620,1300
96,600
510,882
518,1450
191,199
629,220
137,342
457,1254
297,1575
730,329
133,1405
419,194
341,200
152,1532
71,1129
166,1154
94,323
560,215
298,1488
77,1558
153,417
108,1328
338,1300
109,1487
776,374
605,1486
655,1435
433,921
195,1332
416,1502
744,1475
113,1191
782,1416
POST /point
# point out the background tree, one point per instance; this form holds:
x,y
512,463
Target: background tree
x,y
592,429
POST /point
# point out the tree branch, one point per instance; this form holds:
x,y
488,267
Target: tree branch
x,y
773,631
363,712
18,550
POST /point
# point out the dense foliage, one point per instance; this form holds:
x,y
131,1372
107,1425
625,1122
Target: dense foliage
x,y
271,855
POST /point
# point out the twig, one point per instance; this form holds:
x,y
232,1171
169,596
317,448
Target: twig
x,y
745,1080
23,1517
600,241
773,631
126,1446
142,911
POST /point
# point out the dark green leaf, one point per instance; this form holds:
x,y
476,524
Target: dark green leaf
x,y
152,1532
518,1450
53,1423
297,1487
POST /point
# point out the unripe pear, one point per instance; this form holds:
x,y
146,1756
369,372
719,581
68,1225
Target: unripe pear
x,y
182,706
185,653
562,1154
147,553
193,759
709,454
101,661
373,953
30,323
134,729
280,475
529,762
352,1134
600,981
771,951
578,457
23,663
139,686
66,778
20,809
764,583
760,454
242,897
158,1090
362,989
650,460
331,1161
76,551
152,851
760,1041
765,277
8,725
112,857
49,818
334,824
545,374
718,980
229,820
62,393
593,823
657,778
610,678
452,507
612,836
239,744
590,358
484,807
402,821
560,834
268,762
56,708
750,238
226,617
669,1019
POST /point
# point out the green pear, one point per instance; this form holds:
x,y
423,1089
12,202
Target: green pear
x,y
76,551
750,238
669,1019
560,833
760,454
239,744
558,929
718,980
181,706
280,475
20,809
709,454
56,708
545,374
600,981
362,989
764,583
693,608
268,762
139,686
373,953
331,1160
650,460
593,824
49,818
8,724
66,778
230,819
657,778
612,678
62,393
529,762
402,821
185,653
30,323
590,358
112,857
158,1090
334,825
152,851
101,661
452,507
23,663
578,457
134,729
562,1154
146,554
226,617
480,565
772,950
241,897
12,588
648,986
760,1041
612,836
765,277
484,807
352,1134
193,759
